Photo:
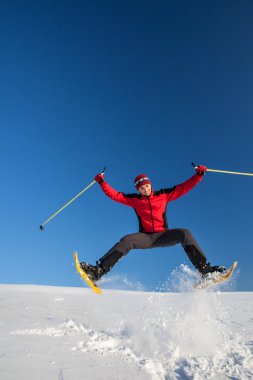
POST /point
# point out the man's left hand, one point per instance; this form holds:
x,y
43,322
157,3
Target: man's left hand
x,y
201,169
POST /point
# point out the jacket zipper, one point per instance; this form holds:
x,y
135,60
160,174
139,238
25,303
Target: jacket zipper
x,y
151,214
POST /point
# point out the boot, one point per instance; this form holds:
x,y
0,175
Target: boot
x,y
207,268
94,272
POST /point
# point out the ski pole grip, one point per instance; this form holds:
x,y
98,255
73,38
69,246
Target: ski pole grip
x,y
195,166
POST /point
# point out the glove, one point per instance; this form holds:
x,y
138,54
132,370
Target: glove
x,y
201,169
99,178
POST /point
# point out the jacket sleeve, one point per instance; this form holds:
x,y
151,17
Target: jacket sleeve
x,y
180,190
115,195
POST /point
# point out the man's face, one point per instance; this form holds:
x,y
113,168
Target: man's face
x,y
145,189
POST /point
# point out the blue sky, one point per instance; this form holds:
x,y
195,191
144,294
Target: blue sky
x,y
139,86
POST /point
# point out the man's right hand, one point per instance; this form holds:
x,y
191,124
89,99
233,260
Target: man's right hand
x,y
99,178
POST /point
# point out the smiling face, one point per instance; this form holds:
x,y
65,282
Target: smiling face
x,y
145,189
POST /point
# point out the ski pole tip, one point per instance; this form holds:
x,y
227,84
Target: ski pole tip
x,y
41,227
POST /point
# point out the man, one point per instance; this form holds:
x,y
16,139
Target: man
x,y
150,208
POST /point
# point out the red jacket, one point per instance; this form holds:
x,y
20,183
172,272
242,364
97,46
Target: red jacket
x,y
151,211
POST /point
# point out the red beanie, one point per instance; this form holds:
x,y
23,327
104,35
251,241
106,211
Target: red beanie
x,y
140,180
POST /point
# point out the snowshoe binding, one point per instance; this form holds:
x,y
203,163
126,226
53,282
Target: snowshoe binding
x,y
94,272
214,275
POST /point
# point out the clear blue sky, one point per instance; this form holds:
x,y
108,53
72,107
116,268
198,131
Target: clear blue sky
x,y
139,86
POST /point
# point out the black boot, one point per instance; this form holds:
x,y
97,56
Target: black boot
x,y
94,272
111,258
207,268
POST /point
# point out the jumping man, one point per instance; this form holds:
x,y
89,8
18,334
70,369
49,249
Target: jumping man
x,y
150,207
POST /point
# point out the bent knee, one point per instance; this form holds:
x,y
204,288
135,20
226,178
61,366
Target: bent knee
x,y
126,238
186,234
185,231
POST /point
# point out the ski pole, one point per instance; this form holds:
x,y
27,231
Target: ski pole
x,y
224,171
67,204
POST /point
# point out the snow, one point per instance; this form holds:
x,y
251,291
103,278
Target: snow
x,y
71,333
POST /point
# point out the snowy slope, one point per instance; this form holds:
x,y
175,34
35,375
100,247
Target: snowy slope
x,y
70,333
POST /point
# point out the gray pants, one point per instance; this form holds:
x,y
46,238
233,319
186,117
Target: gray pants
x,y
167,238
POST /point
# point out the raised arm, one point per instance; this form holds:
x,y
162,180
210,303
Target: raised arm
x,y
115,195
183,188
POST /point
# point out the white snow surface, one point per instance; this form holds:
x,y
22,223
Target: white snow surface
x,y
71,333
